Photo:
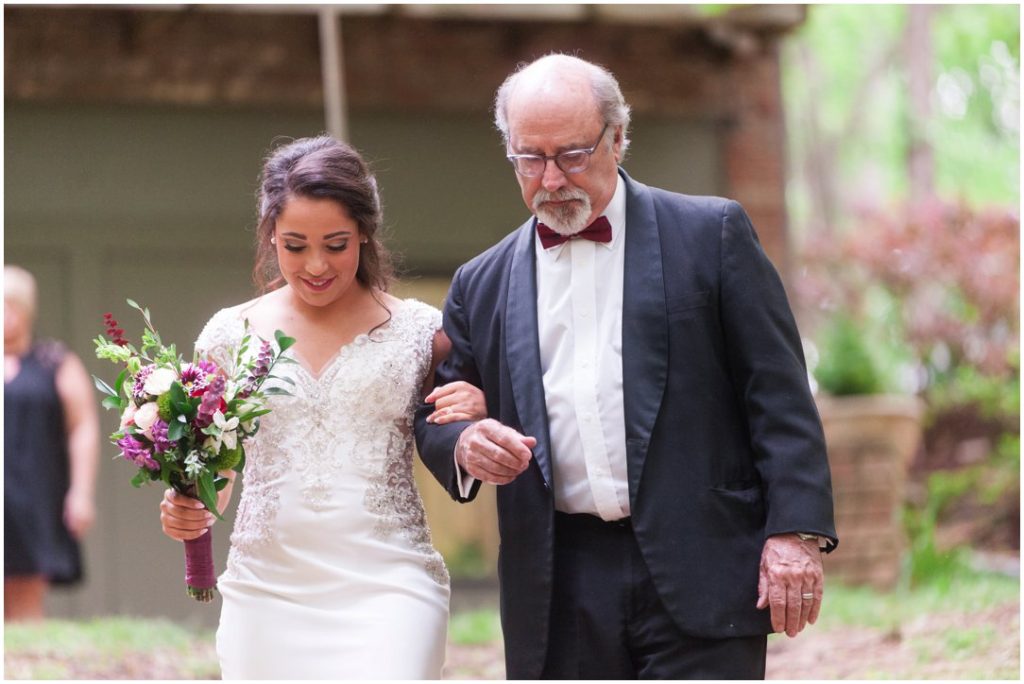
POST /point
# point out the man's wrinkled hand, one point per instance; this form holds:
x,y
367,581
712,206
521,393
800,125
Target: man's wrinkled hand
x,y
492,452
791,582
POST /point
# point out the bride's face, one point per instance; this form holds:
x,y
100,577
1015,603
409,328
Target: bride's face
x,y
317,246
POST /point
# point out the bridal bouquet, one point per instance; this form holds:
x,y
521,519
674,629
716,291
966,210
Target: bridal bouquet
x,y
185,423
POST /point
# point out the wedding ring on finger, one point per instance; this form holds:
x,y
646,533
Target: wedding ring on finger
x,y
807,597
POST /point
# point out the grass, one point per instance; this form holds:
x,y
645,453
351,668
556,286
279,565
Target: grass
x,y
474,628
960,642
864,607
112,636
103,647
957,638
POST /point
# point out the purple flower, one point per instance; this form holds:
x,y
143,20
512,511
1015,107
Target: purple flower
x,y
136,451
194,378
259,370
161,444
211,401
140,380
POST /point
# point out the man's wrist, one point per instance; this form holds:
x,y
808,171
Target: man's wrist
x,y
460,452
818,540
463,480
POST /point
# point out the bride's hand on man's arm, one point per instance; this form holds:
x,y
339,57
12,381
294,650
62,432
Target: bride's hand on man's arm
x,y
456,401
184,518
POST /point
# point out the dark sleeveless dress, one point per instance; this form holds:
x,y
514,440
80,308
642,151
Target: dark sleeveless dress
x,y
36,472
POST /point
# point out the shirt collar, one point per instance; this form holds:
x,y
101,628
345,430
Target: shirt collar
x,y
615,212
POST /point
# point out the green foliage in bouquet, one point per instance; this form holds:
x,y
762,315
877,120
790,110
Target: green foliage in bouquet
x,y
184,423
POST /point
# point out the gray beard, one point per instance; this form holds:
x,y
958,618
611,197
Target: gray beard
x,y
566,220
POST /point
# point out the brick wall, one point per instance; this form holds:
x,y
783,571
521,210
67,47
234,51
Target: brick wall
x,y
706,71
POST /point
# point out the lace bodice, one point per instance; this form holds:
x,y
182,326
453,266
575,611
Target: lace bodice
x,y
347,430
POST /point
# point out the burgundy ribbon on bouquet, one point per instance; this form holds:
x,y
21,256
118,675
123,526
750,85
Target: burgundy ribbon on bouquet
x,y
200,578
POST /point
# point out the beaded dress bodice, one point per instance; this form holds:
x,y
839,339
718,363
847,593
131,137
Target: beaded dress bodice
x,y
329,475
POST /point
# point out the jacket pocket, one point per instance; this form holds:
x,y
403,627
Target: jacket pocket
x,y
739,511
746,492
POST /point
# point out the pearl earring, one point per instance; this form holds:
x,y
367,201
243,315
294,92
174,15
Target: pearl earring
x,y
273,241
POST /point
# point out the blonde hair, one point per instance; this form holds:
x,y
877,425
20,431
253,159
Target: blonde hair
x,y
20,289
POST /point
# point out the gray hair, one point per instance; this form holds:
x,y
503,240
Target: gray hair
x,y
610,102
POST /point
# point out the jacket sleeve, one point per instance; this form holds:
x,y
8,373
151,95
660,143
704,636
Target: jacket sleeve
x,y
436,443
769,373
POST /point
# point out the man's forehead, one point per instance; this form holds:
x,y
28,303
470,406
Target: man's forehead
x,y
560,114
550,140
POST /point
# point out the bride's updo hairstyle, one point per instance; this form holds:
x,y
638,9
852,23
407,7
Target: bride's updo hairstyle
x,y
320,168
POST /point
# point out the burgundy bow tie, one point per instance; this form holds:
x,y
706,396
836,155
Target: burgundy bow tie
x,y
598,231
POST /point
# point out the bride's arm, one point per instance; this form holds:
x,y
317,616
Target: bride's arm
x,y
440,347
456,400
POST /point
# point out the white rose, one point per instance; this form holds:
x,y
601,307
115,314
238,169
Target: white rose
x,y
126,417
145,417
159,381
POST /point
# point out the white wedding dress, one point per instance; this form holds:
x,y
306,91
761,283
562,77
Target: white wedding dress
x,y
331,572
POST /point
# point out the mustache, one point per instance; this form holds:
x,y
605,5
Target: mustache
x,y
567,194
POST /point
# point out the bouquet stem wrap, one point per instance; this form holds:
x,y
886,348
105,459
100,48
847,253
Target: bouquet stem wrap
x,y
200,578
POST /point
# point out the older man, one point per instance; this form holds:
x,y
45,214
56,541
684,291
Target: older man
x,y
663,480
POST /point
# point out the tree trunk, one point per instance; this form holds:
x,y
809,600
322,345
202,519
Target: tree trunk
x,y
919,59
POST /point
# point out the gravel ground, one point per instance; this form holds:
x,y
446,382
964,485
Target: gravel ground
x,y
954,645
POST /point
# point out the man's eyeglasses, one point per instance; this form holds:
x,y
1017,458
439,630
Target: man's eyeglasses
x,y
570,161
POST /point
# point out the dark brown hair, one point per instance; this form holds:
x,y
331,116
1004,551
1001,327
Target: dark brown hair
x,y
320,168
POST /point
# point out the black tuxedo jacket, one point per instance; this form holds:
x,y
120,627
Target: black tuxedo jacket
x,y
723,439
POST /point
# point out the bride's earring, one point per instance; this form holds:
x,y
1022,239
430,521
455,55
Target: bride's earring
x,y
273,241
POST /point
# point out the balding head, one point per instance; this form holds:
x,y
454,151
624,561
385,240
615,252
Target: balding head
x,y
561,79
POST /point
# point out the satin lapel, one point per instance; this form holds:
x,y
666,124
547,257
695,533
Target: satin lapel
x,y
644,328
522,349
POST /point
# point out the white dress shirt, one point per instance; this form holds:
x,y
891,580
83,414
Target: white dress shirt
x,y
579,325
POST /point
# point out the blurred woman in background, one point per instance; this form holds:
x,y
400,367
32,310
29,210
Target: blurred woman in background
x,y
51,447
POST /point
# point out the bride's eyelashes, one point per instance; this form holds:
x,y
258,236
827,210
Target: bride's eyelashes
x,y
340,247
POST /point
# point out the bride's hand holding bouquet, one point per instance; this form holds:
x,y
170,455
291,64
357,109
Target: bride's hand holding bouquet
x,y
185,424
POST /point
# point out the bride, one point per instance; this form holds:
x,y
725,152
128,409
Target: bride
x,y
331,572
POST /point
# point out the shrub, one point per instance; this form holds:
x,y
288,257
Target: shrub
x,y
845,364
